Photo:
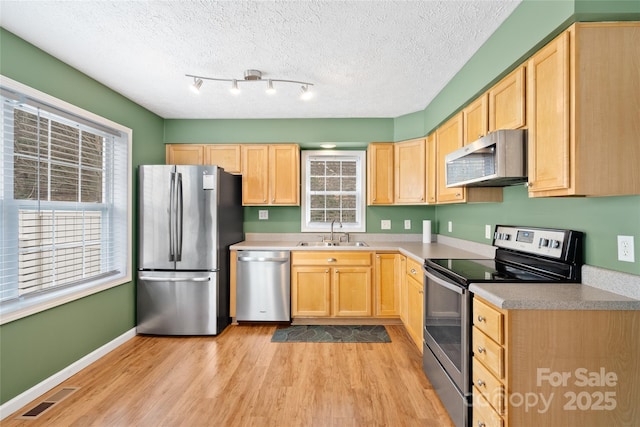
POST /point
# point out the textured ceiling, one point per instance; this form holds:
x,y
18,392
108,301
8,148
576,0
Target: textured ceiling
x,y
366,58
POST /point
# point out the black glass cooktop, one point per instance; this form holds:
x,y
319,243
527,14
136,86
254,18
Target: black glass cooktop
x,y
483,270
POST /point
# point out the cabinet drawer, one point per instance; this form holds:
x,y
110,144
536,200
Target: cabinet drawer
x,y
488,352
331,258
414,269
483,413
488,320
490,387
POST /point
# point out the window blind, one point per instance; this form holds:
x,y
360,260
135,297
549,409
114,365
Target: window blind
x,y
64,196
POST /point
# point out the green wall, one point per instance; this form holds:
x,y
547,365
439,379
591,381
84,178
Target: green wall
x,y
36,347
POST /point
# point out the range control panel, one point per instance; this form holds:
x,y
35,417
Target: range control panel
x,y
539,241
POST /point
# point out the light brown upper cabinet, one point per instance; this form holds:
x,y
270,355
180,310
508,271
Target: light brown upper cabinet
x,y
270,174
227,156
583,98
507,102
380,173
432,170
449,137
410,172
184,154
475,119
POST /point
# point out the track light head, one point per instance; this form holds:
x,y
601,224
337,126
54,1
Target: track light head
x,y
270,89
234,87
197,84
306,93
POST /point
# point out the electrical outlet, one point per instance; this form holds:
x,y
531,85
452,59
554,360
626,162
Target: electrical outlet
x,y
385,224
263,214
487,231
450,226
407,224
625,249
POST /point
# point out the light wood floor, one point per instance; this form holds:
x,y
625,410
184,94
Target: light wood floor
x,y
241,378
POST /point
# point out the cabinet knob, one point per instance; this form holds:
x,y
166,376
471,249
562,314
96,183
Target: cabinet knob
x,y
273,200
331,260
481,424
327,270
481,319
481,383
481,350
337,271
458,195
264,200
421,292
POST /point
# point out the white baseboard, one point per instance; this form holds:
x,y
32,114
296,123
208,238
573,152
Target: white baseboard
x,y
41,388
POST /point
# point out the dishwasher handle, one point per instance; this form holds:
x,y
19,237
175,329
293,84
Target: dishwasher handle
x,y
261,259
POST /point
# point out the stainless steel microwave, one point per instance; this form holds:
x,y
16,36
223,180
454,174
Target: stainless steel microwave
x,y
495,160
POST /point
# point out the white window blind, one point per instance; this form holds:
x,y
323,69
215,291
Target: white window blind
x,y
64,199
334,190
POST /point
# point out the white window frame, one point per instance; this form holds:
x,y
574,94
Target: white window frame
x,y
306,226
29,304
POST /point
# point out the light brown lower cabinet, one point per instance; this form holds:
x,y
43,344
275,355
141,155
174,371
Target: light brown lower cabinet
x,y
555,367
331,284
413,301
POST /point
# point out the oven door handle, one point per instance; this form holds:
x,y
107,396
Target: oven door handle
x,y
442,282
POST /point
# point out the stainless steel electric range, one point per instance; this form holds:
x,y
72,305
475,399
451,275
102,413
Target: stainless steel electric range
x,y
523,255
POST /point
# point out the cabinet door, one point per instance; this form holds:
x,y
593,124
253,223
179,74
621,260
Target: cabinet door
x,y
284,174
410,172
506,102
448,139
184,154
432,171
380,173
310,291
415,310
255,174
227,156
548,121
387,287
475,120
352,291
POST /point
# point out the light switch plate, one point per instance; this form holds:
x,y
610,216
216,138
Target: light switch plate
x,y
450,226
385,224
407,224
487,231
263,214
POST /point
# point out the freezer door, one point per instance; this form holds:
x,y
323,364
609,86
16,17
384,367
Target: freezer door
x,y
196,231
156,192
181,303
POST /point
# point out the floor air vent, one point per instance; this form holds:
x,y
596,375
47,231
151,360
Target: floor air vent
x,y
48,403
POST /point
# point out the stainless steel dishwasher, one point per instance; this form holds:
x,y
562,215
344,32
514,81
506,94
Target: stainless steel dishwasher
x,y
263,290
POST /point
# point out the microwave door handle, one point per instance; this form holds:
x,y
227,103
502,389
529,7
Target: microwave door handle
x,y
444,283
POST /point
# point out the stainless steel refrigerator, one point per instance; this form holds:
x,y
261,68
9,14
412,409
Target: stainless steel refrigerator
x,y
188,218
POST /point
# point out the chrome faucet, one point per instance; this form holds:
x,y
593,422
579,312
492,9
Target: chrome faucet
x,y
332,222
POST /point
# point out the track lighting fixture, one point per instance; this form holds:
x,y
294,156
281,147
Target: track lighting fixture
x,y
251,76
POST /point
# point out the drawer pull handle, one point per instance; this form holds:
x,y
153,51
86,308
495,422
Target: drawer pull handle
x,y
481,383
331,260
481,350
481,424
482,319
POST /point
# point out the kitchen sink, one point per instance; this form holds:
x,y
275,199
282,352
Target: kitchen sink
x,y
325,244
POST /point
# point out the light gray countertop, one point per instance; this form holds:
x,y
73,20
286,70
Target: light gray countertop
x,y
523,296
552,296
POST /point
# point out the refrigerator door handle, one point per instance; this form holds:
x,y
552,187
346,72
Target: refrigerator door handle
x,y
179,209
172,221
174,279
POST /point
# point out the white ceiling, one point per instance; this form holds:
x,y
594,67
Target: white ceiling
x,y
365,58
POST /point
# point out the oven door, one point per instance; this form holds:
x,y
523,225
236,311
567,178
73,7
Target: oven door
x,y
447,329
